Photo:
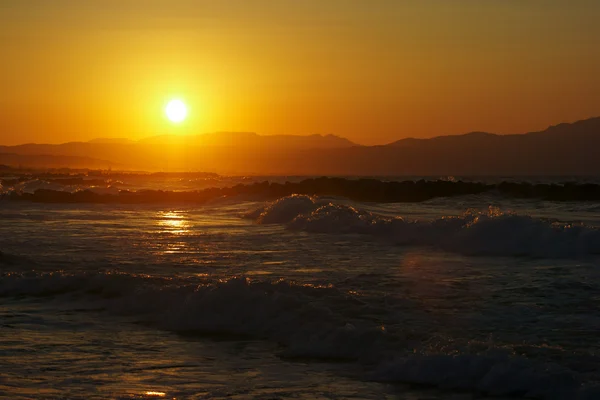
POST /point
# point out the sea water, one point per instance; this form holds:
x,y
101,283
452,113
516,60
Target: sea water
x,y
300,297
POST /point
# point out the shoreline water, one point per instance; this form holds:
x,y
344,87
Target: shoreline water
x,y
448,294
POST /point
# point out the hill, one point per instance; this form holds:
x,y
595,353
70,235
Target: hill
x,y
252,140
564,149
9,161
111,141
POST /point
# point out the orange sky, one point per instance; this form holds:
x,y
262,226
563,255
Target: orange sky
x,y
373,71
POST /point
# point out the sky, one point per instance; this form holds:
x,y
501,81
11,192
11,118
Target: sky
x,y
372,71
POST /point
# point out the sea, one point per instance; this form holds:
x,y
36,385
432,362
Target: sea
x,y
298,297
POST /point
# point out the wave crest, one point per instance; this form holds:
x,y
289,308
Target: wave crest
x,y
300,317
284,209
491,233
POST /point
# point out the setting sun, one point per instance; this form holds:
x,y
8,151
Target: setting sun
x,y
176,111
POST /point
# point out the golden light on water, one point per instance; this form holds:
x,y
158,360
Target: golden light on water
x,y
173,222
155,394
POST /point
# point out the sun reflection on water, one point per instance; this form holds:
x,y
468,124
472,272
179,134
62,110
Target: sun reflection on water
x,y
174,222
155,394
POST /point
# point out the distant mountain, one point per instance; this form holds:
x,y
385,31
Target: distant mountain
x,y
249,139
112,141
9,161
588,129
564,149
467,137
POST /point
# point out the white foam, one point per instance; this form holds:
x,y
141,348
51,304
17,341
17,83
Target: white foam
x,y
491,233
36,184
284,210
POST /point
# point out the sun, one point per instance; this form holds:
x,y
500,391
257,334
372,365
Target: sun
x,y
176,110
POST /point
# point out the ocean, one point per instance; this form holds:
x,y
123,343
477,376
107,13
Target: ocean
x,y
299,296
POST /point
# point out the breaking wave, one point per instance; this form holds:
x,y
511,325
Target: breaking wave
x,y
494,376
10,259
308,321
301,317
491,233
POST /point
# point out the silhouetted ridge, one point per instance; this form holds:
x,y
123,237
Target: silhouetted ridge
x,y
561,150
368,190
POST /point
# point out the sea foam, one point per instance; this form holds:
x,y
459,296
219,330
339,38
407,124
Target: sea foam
x,y
490,233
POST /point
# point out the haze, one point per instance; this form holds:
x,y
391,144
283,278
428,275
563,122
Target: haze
x,y
373,72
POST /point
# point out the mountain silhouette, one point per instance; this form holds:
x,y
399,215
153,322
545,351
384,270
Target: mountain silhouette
x,y
112,141
249,139
564,149
9,161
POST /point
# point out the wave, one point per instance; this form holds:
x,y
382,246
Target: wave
x,y
318,322
284,209
371,190
33,185
298,316
491,233
65,185
494,376
11,259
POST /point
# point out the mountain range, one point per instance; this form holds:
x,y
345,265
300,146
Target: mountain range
x,y
564,149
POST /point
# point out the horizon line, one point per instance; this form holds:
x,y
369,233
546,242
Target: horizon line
x,y
323,135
